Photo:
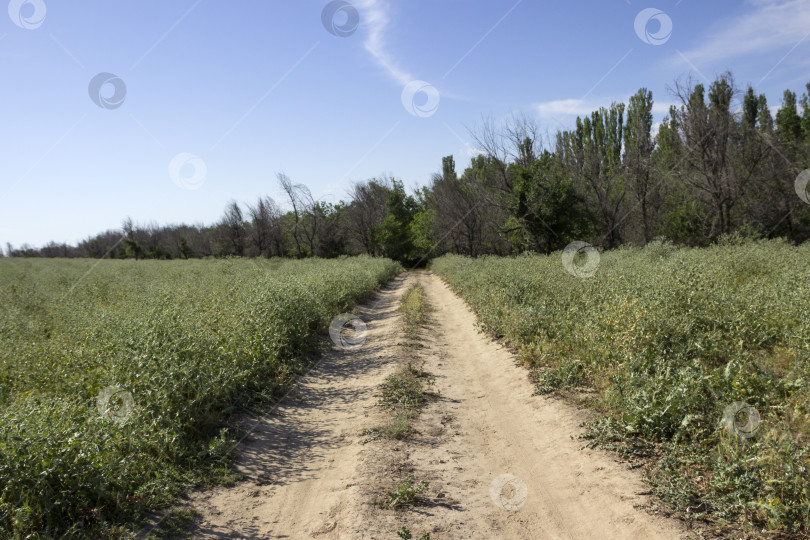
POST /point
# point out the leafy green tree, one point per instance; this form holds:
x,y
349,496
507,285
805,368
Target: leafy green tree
x,y
592,154
806,113
185,249
788,121
765,120
394,236
421,226
133,248
546,213
638,148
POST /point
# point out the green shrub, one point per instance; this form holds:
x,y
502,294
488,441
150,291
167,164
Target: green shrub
x,y
406,493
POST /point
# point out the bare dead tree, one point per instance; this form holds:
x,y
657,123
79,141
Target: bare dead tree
x,y
233,229
365,213
711,135
312,218
460,206
296,196
264,232
522,134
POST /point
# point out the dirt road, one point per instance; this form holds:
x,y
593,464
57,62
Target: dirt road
x,y
501,462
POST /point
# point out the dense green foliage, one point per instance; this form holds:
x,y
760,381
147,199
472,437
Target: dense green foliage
x,y
662,340
190,341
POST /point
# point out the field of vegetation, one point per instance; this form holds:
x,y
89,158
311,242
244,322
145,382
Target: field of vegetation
x,y
698,360
118,378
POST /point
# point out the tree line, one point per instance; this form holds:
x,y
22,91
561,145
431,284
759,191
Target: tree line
x,y
720,164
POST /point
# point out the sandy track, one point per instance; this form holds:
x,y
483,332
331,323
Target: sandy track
x,y
308,475
300,462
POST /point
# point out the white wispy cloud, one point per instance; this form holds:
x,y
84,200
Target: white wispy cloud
x,y
766,26
583,107
471,151
663,107
375,17
566,107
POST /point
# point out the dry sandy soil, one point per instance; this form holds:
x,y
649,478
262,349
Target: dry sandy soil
x,y
309,473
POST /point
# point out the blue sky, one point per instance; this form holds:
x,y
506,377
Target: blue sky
x,y
252,88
